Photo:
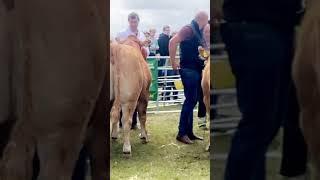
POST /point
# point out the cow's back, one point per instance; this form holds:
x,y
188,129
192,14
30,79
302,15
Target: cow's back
x,y
127,71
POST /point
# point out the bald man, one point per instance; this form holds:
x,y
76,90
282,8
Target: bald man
x,y
190,69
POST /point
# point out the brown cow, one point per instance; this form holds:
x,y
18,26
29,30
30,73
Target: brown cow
x,y
129,88
57,83
306,74
205,82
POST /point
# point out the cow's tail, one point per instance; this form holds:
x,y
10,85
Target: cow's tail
x,y
114,68
114,86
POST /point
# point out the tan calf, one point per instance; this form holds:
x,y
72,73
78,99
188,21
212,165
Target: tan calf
x,y
130,83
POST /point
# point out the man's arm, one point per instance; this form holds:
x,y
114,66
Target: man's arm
x,y
173,43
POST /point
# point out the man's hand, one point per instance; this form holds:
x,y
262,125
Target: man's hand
x,y
146,42
173,43
175,64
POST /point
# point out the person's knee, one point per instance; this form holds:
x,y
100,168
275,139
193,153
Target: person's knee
x,y
191,101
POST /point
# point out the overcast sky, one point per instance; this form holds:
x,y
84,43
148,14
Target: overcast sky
x,y
155,13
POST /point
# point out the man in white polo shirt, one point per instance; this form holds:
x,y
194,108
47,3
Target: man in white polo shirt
x,y
133,20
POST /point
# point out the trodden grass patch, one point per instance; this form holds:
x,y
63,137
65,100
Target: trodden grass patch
x,y
163,157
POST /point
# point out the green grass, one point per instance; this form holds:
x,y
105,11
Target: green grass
x,y
163,157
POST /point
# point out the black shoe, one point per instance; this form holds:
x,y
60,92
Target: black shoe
x,y
194,137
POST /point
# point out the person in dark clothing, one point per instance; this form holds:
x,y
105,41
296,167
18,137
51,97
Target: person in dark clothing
x,y
259,38
294,148
163,43
190,69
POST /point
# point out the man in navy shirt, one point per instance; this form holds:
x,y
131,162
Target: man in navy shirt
x,y
190,69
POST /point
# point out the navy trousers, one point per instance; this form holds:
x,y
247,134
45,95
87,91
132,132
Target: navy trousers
x,y
190,80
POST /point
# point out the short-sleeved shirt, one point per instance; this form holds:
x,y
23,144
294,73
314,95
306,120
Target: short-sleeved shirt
x,y
123,35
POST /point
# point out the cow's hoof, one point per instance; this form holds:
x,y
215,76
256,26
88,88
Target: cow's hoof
x,y
126,149
126,154
144,140
208,148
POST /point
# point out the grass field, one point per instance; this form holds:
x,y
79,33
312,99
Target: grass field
x,y
163,157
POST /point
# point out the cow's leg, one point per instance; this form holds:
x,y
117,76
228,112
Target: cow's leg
x,y
115,115
5,129
58,154
310,126
142,111
127,110
206,100
99,152
98,144
6,122
18,155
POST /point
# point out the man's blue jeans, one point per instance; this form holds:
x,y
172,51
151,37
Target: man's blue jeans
x,y
260,57
190,80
